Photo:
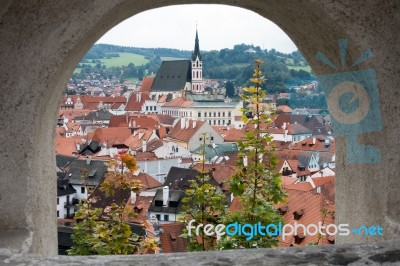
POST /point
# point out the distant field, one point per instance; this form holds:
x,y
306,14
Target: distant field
x,y
305,68
125,59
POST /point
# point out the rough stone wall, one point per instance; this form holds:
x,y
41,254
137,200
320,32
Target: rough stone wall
x,y
41,42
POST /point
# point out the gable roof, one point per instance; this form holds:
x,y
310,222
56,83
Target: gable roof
x,y
136,100
171,240
173,196
67,146
95,169
112,135
172,76
185,134
146,84
96,115
118,121
135,141
179,178
166,120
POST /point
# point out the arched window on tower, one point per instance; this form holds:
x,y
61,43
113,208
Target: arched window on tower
x,y
197,63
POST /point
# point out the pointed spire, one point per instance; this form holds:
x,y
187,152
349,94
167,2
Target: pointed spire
x,y
196,52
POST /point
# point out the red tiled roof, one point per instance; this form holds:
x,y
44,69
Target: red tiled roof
x,y
142,122
311,204
303,186
319,145
163,119
67,146
170,239
135,141
113,135
140,207
118,121
146,180
319,181
146,84
71,114
163,98
136,100
185,134
178,102
284,109
219,172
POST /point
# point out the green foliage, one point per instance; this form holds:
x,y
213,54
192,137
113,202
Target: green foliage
x,y
106,232
255,183
204,203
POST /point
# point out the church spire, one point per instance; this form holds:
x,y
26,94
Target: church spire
x,y
196,52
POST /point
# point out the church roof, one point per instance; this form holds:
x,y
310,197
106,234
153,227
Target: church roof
x,y
172,76
196,52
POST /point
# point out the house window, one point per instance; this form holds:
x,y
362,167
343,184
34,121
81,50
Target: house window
x,y
147,108
200,139
219,114
205,114
199,114
229,114
215,114
176,150
166,217
58,214
58,202
158,216
212,138
219,122
229,122
215,122
209,113
83,190
223,114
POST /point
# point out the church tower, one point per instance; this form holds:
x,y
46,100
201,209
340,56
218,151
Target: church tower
x,y
197,68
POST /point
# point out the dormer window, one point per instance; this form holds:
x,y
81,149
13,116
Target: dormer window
x,y
298,214
283,210
299,238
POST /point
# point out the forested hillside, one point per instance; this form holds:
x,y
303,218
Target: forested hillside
x,y
236,64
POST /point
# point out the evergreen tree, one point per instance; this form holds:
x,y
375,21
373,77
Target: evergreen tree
x,y
255,183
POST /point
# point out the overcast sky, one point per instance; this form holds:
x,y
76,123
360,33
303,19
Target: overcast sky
x,y
219,27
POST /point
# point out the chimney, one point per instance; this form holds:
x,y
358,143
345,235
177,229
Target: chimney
x,y
78,146
187,123
314,140
182,123
284,125
88,160
165,196
144,147
137,97
140,97
194,123
133,197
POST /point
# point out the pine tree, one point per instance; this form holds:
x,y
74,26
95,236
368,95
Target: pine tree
x,y
255,183
205,204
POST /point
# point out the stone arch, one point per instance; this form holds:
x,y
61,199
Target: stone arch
x,y
41,44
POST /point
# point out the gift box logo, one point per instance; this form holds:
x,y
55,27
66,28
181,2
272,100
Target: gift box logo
x,y
353,104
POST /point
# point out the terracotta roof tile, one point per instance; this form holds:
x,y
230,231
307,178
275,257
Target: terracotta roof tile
x,y
185,134
170,239
146,84
67,146
135,140
112,135
118,121
311,204
136,100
